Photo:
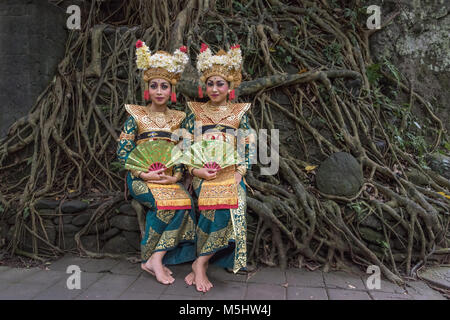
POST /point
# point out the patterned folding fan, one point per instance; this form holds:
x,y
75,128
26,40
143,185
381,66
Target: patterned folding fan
x,y
212,154
153,155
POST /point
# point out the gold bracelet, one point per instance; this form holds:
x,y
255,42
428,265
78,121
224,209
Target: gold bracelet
x,y
178,175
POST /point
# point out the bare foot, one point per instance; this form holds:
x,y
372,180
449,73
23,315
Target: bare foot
x,y
167,270
157,269
201,281
190,279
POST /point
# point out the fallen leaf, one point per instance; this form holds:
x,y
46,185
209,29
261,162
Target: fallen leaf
x,y
310,168
351,287
443,194
285,285
303,71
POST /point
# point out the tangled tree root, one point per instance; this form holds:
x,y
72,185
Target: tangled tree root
x,y
66,145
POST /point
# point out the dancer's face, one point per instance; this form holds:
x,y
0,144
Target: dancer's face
x,y
159,90
217,89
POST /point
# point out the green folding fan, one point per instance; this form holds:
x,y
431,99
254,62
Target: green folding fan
x,y
153,155
212,154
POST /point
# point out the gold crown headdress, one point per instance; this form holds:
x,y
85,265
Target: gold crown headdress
x,y
225,64
161,65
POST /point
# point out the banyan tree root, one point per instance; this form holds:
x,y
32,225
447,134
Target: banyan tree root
x,y
307,51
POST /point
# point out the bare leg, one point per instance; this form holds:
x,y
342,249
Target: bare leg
x,y
154,266
199,268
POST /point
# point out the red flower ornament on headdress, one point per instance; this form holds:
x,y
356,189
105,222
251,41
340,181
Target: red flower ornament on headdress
x,y
204,47
183,49
139,44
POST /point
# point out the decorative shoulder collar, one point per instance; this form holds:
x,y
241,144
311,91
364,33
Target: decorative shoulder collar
x,y
171,117
195,107
231,114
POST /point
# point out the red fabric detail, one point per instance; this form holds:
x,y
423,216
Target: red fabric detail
x,y
173,207
219,206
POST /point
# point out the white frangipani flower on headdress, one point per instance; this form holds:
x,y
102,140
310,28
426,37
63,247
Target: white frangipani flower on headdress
x,y
161,64
225,64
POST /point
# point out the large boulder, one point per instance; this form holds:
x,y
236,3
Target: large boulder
x,y
340,175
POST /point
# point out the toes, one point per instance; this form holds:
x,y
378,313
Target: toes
x,y
200,288
168,270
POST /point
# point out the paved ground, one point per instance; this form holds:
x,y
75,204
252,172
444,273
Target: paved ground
x,y
118,279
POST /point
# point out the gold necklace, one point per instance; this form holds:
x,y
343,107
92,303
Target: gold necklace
x,y
217,113
158,117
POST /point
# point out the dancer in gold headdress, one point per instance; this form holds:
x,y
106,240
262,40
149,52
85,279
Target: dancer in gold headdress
x,y
221,229
170,220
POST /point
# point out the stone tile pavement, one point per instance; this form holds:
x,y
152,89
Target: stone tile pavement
x,y
109,279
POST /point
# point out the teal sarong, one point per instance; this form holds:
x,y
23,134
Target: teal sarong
x,y
165,230
223,232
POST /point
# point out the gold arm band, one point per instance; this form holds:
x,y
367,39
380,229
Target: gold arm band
x,y
127,136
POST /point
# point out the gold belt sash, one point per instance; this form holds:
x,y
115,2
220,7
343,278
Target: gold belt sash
x,y
170,196
220,193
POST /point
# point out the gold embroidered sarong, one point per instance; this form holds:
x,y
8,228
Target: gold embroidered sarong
x,y
169,196
220,193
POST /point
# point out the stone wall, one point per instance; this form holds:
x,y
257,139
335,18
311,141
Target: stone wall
x,y
120,233
33,36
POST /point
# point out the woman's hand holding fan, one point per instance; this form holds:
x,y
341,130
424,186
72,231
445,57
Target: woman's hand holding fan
x,y
152,176
209,156
152,158
205,173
